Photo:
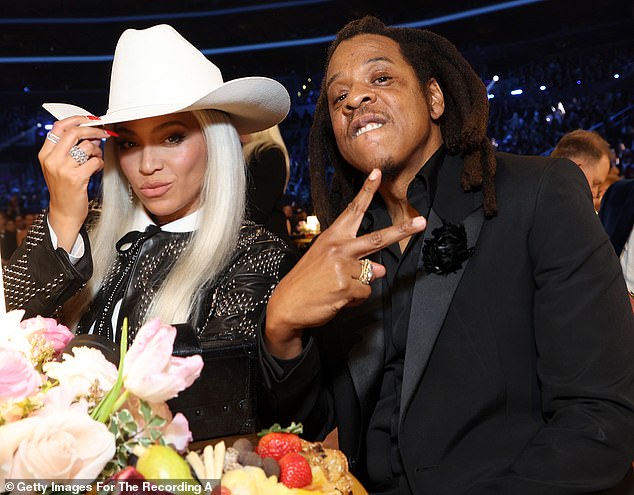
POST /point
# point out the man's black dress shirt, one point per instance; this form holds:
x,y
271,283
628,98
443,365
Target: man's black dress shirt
x,y
383,458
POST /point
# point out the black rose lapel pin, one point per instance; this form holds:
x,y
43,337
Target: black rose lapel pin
x,y
446,250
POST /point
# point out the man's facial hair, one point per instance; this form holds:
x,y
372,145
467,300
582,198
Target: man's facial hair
x,y
389,170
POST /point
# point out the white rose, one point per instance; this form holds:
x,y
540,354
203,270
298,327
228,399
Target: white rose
x,y
12,336
11,436
71,446
80,370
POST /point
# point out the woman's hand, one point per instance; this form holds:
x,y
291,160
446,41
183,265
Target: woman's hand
x,y
326,278
66,178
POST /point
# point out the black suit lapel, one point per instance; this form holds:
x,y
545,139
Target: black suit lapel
x,y
433,293
430,302
366,355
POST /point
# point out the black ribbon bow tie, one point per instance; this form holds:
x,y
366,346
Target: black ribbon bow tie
x,y
134,238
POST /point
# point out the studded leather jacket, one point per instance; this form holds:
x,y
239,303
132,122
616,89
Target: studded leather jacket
x,y
40,280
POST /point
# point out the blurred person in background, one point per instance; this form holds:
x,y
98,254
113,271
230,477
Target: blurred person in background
x,y
617,215
613,176
591,152
268,172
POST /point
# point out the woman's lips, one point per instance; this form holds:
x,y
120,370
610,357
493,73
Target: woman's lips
x,y
155,190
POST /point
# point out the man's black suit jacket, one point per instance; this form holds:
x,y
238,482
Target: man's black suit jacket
x,y
519,368
617,212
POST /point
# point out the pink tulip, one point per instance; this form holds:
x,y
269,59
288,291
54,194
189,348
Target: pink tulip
x,y
151,372
18,378
177,432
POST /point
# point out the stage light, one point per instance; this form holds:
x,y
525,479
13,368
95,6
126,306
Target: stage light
x,y
578,81
616,76
542,87
496,78
48,127
516,92
490,96
26,89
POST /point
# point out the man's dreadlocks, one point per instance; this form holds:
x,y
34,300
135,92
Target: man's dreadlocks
x,y
463,124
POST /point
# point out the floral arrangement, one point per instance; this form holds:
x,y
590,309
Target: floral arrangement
x,y
77,416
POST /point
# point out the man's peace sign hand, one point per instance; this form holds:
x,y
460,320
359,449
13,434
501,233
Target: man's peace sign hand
x,y
329,277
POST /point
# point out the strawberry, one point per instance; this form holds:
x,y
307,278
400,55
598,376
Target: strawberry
x,y
220,490
276,441
295,471
276,445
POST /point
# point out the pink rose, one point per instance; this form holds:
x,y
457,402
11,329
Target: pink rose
x,y
57,335
18,378
151,372
69,446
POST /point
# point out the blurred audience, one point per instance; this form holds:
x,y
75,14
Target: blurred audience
x,y
8,242
574,89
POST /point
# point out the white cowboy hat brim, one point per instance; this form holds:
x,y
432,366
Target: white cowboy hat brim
x,y
253,104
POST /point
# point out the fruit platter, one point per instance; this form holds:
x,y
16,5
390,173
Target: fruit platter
x,y
279,462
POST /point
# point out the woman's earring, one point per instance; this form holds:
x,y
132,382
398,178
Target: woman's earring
x,y
130,194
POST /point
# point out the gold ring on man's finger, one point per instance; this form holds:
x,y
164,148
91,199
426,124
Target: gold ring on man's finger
x,y
367,271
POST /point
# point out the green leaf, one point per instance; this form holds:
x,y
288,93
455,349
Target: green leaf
x,y
296,428
145,410
107,405
157,422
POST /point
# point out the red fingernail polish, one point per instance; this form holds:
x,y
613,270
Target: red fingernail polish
x,y
93,117
111,133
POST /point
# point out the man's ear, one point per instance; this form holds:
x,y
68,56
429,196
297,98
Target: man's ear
x,y
435,99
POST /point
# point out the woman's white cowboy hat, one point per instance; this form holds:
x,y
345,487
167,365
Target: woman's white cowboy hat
x,y
156,71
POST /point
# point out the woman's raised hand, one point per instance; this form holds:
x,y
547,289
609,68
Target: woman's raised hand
x,y
328,277
69,156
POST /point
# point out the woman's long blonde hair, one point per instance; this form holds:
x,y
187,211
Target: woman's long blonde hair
x,y
222,203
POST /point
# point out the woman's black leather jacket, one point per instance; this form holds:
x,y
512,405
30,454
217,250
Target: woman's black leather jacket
x,y
40,279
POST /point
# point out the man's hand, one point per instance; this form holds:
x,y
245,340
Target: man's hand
x,y
326,278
